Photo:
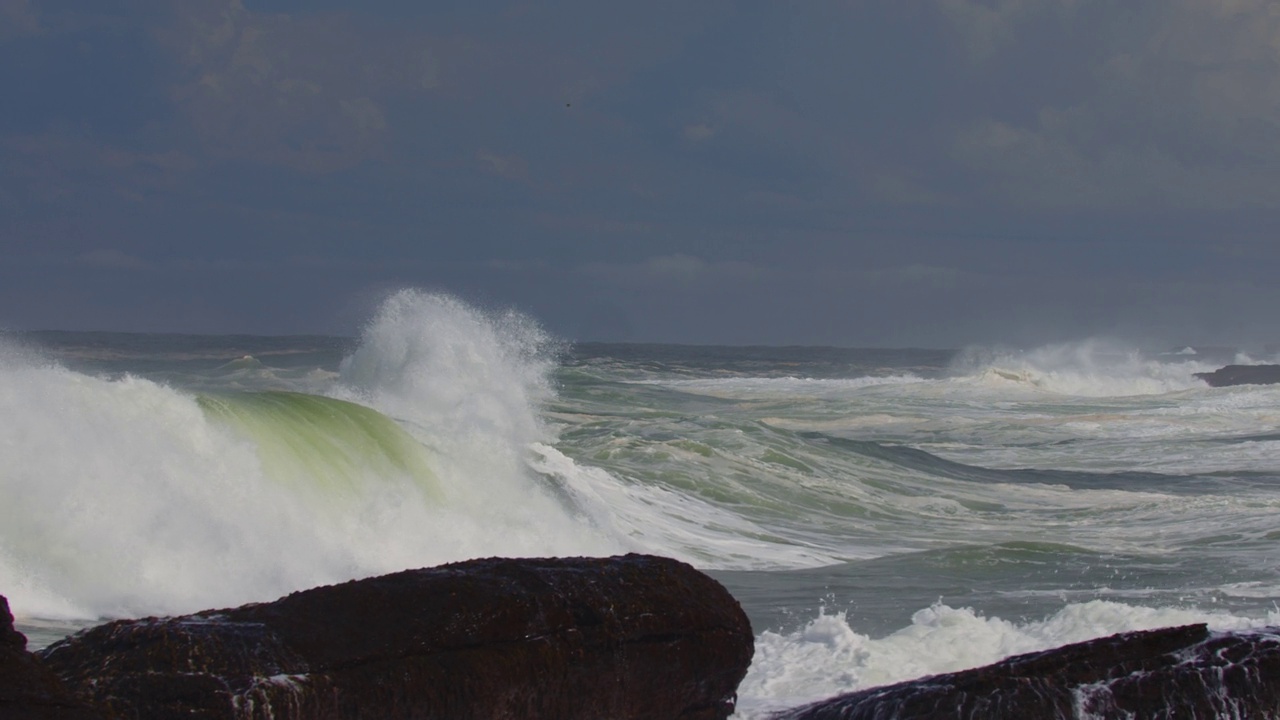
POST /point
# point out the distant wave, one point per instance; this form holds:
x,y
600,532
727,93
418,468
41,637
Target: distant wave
x,y
919,460
1092,368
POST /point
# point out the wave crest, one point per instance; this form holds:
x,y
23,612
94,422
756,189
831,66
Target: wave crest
x,y
1091,368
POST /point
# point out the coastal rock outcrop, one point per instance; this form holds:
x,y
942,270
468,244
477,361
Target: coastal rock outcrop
x,y
28,689
1182,672
1242,375
626,637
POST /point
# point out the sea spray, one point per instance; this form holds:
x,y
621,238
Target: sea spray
x,y
120,497
827,657
469,385
447,366
124,496
1089,368
1097,488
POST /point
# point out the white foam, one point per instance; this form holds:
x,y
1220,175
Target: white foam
x,y
469,385
120,497
827,657
1091,368
789,388
658,520
123,498
452,368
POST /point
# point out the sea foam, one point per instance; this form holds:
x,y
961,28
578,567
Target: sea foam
x,y
826,657
124,496
1090,368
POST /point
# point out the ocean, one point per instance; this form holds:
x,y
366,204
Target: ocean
x,y
881,514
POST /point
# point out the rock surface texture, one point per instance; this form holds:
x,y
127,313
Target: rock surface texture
x,y
626,637
29,690
1184,672
1242,375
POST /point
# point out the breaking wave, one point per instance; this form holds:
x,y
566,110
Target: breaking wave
x,y
124,496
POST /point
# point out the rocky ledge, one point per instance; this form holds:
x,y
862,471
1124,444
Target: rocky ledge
x,y
1242,375
28,689
1184,672
626,637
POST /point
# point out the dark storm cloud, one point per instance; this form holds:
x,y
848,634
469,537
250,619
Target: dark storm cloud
x,y
308,93
837,172
1179,112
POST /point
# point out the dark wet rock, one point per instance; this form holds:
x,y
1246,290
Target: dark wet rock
x,y
1184,672
1242,375
626,637
28,689
10,638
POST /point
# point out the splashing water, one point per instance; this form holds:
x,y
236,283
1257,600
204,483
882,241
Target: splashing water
x,y
125,496
947,510
826,657
1092,368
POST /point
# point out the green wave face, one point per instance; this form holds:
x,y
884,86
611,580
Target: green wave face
x,y
322,443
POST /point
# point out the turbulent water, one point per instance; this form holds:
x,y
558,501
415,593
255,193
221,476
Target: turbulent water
x,y
881,514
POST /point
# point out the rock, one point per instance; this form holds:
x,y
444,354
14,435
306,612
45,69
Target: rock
x,y
1183,672
10,638
28,689
1242,375
626,637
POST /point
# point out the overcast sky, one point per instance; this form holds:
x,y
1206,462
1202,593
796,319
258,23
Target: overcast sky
x,y
863,173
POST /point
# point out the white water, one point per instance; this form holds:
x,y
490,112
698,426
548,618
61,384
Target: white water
x,y
122,498
1092,368
658,520
827,657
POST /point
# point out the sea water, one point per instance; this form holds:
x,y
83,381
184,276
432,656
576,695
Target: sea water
x,y
880,514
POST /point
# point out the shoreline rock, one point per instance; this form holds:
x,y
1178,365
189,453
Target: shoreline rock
x,y
28,689
1242,375
625,637
1184,672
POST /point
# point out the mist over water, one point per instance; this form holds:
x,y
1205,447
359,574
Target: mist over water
x,y
881,514
1091,368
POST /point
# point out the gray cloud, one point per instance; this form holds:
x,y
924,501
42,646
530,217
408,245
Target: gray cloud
x,y
113,259
307,92
18,19
834,172
1181,113
988,26
511,167
668,270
